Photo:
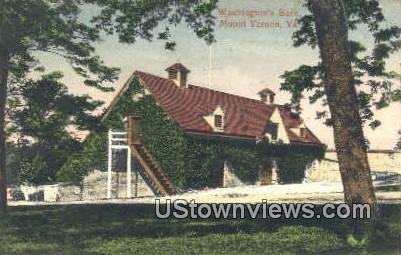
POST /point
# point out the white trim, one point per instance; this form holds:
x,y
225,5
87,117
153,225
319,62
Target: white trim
x,y
210,119
129,195
111,147
109,162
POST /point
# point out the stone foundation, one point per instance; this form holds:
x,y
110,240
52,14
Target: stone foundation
x,y
230,179
93,188
328,168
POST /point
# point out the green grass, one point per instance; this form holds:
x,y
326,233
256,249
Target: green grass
x,y
133,229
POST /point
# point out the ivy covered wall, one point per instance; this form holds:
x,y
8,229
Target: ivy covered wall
x,y
291,159
189,161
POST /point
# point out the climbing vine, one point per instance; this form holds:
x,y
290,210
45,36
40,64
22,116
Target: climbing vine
x,y
187,160
291,159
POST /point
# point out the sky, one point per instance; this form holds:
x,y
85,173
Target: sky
x,y
251,53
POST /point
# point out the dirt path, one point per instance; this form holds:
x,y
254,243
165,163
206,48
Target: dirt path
x,y
317,193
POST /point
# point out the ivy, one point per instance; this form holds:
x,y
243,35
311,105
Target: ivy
x,y
291,159
189,161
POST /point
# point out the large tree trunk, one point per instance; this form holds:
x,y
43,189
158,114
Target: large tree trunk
x,y
332,35
4,59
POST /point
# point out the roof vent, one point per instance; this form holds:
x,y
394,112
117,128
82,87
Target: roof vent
x,y
179,74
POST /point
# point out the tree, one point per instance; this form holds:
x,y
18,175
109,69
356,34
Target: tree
x,y
28,26
54,27
332,37
42,111
342,70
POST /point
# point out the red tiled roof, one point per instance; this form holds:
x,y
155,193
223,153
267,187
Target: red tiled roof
x,y
291,120
244,117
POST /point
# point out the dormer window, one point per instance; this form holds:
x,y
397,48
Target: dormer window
x,y
218,121
272,130
302,132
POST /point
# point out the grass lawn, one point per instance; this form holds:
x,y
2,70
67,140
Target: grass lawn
x,y
133,229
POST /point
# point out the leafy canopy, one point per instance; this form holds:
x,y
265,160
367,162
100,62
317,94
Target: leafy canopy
x,y
40,117
56,27
369,69
42,109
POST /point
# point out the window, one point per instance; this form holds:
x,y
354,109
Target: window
x,y
272,129
218,121
302,132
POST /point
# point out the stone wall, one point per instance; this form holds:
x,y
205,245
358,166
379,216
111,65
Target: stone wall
x,y
93,188
379,161
230,179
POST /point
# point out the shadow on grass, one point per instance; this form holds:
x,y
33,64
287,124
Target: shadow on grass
x,y
133,229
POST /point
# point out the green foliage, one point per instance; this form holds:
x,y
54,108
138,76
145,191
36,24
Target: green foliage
x,y
297,81
27,26
202,155
287,240
291,159
91,157
57,27
44,109
12,163
33,171
74,171
291,169
189,161
40,117
133,229
367,66
139,19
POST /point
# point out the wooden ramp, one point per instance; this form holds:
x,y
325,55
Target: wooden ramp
x,y
149,163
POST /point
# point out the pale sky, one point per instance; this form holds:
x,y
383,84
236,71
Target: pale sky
x,y
244,60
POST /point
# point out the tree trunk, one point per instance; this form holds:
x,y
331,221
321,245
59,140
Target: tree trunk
x,y
4,59
332,35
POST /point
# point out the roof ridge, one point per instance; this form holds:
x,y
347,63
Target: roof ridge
x,y
214,90
229,94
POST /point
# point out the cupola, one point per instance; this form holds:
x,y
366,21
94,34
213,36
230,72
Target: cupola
x,y
179,74
267,96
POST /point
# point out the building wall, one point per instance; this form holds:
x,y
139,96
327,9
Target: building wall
x,y
328,168
230,179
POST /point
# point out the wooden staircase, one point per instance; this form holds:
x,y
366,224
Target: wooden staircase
x,y
149,163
